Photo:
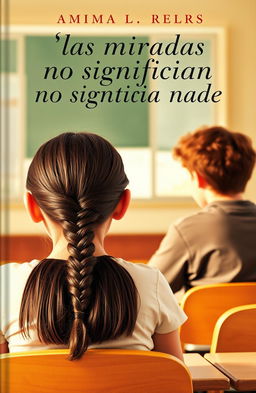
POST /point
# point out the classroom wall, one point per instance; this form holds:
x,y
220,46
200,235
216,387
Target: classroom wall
x,y
132,247
237,16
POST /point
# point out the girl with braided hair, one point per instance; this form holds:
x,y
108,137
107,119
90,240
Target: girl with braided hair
x,y
79,296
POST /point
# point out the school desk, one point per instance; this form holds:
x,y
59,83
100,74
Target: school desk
x,y
204,375
239,367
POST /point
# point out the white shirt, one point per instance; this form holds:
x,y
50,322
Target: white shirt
x,y
158,309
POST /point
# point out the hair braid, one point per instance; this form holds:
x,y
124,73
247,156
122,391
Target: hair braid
x,y
80,265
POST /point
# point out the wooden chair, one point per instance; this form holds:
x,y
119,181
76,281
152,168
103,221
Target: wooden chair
x,y
98,371
206,303
235,330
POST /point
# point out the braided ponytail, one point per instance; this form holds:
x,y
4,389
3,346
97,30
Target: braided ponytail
x,y
80,266
77,180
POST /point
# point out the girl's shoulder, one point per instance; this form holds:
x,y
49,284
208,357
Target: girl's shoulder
x,y
155,291
15,274
143,275
137,268
19,266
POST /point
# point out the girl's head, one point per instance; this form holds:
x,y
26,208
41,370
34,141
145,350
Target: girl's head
x,y
76,172
77,180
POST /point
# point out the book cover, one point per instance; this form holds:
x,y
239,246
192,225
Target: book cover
x,y
141,74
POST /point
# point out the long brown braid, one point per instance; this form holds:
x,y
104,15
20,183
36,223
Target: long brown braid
x,y
77,180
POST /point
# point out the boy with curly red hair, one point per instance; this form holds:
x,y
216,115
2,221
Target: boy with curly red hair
x,y
216,244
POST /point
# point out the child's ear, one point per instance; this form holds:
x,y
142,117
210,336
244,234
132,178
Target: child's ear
x,y
32,207
201,182
122,205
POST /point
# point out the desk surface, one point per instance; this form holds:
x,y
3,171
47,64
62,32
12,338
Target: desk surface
x,y
204,375
239,367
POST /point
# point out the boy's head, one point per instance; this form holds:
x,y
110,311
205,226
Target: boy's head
x,y
222,159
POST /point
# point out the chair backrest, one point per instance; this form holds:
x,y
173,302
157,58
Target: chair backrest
x,y
206,303
235,330
98,371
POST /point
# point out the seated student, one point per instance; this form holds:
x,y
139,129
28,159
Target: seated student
x,y
217,244
79,296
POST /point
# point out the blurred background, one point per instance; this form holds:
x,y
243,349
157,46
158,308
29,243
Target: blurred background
x,y
143,133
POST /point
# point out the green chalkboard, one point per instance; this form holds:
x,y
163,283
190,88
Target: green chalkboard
x,y
124,124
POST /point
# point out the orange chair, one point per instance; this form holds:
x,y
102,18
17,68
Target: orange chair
x,y
205,304
98,371
235,330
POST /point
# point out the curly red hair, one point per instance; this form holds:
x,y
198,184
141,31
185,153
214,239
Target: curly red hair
x,y
225,159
